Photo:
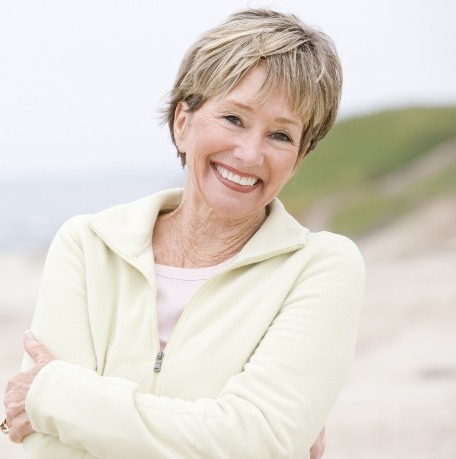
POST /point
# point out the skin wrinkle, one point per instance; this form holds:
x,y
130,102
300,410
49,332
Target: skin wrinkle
x,y
264,94
279,120
213,221
301,59
220,213
199,236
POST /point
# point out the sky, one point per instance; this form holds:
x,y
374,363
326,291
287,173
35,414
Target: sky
x,y
82,81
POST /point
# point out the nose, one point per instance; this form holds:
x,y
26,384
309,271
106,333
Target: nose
x,y
250,150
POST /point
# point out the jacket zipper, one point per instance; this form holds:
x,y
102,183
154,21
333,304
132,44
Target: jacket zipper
x,y
158,361
160,354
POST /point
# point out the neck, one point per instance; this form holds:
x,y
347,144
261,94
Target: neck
x,y
192,237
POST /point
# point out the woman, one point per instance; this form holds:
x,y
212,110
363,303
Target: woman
x,y
254,362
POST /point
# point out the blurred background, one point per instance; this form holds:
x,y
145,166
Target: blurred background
x,y
81,86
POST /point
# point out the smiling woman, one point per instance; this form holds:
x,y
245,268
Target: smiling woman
x,y
240,150
204,322
304,65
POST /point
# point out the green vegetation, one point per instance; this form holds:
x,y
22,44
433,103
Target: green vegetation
x,y
351,164
373,209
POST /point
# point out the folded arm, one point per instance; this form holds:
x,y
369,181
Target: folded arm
x,y
275,408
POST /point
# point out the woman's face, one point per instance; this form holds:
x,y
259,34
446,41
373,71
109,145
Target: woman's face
x,y
239,151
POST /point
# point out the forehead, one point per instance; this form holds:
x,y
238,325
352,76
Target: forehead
x,y
249,95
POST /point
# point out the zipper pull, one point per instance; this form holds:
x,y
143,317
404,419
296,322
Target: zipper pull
x,y
158,361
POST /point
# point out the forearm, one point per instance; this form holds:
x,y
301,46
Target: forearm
x,y
274,408
40,446
61,323
109,418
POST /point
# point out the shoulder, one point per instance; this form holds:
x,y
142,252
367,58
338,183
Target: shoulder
x,y
326,241
285,227
334,253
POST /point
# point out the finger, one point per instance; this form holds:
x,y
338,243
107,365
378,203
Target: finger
x,y
35,349
318,448
20,428
13,411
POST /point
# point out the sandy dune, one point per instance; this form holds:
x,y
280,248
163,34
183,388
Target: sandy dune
x,y
400,398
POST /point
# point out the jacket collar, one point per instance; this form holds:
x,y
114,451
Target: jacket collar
x,y
127,228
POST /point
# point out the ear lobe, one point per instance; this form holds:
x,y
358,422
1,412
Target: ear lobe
x,y
181,117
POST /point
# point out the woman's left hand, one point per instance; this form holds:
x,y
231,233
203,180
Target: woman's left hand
x,y
19,386
318,448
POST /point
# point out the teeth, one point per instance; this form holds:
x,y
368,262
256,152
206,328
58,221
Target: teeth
x,y
246,181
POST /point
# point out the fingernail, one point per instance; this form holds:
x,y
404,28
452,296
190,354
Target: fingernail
x,y
29,334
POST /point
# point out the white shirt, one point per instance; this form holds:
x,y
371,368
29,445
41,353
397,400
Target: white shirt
x,y
175,288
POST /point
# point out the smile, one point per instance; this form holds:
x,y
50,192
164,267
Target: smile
x,y
228,175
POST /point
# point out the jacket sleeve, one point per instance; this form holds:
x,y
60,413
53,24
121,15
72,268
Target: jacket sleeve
x,y
274,409
64,330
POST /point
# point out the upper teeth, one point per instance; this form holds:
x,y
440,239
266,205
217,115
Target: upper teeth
x,y
248,181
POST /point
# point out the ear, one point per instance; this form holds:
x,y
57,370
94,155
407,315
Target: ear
x,y
181,119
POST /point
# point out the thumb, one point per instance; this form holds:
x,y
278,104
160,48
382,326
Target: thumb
x,y
35,349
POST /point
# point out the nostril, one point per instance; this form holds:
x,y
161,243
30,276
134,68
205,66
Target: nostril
x,y
249,157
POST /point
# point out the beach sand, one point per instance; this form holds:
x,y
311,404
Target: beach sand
x,y
400,398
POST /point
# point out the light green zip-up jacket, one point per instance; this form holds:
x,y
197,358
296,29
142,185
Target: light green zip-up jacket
x,y
251,370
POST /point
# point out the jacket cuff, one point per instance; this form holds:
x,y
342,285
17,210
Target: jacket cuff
x,y
38,394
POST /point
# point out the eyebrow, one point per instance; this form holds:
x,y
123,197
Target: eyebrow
x,y
250,110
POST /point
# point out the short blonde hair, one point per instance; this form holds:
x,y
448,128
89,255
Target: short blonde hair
x,y
300,58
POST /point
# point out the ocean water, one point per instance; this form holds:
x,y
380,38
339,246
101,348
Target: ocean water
x,y
33,208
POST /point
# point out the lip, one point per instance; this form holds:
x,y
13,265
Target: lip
x,y
235,186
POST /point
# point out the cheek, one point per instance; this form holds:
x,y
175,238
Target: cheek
x,y
214,140
287,167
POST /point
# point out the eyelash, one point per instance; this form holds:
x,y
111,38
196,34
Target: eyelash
x,y
235,120
285,137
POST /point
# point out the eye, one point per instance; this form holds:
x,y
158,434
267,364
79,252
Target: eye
x,y
281,136
233,119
